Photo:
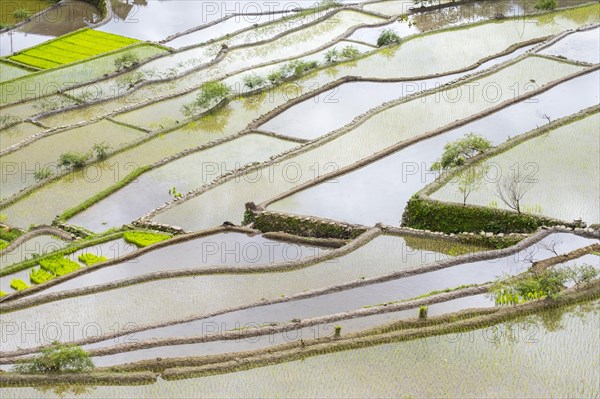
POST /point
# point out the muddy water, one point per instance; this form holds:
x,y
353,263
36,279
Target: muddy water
x,y
254,343
374,193
335,108
220,249
551,354
381,130
156,20
580,46
383,255
105,309
152,189
20,166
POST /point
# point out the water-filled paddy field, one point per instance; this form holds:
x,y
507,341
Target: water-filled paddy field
x,y
276,200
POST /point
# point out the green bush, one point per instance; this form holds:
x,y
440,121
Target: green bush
x,y
57,358
387,37
126,61
91,259
447,217
143,239
349,52
59,265
101,150
21,14
545,5
254,81
73,159
545,284
210,94
423,312
18,284
42,174
39,276
458,151
3,244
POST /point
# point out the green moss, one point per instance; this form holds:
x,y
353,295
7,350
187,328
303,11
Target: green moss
x,y
307,228
18,284
143,238
91,259
427,214
39,276
59,265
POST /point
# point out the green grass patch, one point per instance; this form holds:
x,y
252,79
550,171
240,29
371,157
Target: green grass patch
x,y
9,234
39,276
3,244
2,293
69,213
143,238
59,265
73,47
18,284
91,259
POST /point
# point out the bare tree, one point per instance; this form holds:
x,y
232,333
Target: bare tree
x,y
511,189
470,180
552,246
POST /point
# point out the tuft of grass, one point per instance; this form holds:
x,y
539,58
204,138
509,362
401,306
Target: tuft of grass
x,y
59,265
388,37
143,238
18,284
39,276
91,259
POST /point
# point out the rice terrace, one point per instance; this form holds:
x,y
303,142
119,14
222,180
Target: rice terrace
x,y
290,199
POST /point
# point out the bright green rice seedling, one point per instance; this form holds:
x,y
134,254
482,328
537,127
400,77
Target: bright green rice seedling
x,y
91,259
71,48
40,276
2,293
58,265
143,239
18,284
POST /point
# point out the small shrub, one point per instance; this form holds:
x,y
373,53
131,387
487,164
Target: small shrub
x,y
458,151
126,61
59,265
254,81
73,159
101,150
548,283
18,284
423,311
338,331
545,5
57,358
582,274
42,174
388,37
331,55
275,76
174,193
40,276
210,94
349,52
143,239
91,259
21,14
